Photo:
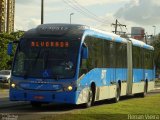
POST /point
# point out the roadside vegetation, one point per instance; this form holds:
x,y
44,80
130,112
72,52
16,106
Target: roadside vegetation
x,y
4,86
157,82
156,44
5,38
6,60
120,111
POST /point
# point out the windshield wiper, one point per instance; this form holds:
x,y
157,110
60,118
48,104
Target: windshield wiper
x,y
37,57
45,59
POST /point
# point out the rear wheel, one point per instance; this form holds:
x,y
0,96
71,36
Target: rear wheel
x,y
117,96
144,93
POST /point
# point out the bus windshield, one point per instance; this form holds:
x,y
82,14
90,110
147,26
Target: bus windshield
x,y
51,59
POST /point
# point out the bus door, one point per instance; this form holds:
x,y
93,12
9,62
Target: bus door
x,y
129,68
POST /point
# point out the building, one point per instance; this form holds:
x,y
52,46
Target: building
x,y
2,15
7,8
138,33
10,15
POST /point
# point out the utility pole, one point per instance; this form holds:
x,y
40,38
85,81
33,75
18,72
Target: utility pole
x,y
116,24
42,11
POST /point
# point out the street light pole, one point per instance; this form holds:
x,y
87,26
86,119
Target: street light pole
x,y
154,31
70,16
42,11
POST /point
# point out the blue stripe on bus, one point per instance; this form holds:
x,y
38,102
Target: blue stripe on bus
x,y
114,75
142,74
110,75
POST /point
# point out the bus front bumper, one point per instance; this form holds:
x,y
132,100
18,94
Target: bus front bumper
x,y
43,96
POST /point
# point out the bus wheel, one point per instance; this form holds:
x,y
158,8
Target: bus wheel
x,y
144,93
90,99
117,96
36,104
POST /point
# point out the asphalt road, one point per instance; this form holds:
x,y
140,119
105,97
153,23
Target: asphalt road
x,y
24,111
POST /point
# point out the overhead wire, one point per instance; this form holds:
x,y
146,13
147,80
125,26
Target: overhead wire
x,y
78,9
82,10
124,26
120,26
91,13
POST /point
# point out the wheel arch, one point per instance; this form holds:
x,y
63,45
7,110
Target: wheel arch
x,y
93,88
146,83
119,83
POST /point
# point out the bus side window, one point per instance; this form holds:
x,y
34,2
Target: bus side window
x,y
83,63
83,68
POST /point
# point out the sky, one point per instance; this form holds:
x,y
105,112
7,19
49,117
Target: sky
x,y
98,14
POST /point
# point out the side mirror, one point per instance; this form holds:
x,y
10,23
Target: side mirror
x,y
10,47
84,52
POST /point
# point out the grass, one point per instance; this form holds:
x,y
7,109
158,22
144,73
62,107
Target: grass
x,y
157,82
4,86
149,105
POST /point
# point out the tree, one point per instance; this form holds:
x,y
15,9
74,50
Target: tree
x,y
5,38
156,44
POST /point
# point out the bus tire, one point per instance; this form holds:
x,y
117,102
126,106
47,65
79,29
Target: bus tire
x,y
90,99
145,91
36,104
117,96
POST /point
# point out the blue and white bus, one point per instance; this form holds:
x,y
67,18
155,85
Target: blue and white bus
x,y
75,64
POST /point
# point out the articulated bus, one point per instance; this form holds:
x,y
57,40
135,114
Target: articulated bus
x,y
76,64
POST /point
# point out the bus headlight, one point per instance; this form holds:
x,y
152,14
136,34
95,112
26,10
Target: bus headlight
x,y
70,88
13,85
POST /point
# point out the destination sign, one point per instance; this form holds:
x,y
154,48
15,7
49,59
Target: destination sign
x,y
49,44
54,28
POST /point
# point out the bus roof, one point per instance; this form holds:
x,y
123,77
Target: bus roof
x,y
54,29
60,29
140,44
116,38
104,35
